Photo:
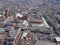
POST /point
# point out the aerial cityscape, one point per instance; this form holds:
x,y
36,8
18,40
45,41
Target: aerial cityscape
x,y
29,22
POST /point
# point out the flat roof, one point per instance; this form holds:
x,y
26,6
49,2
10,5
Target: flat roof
x,y
20,15
24,34
57,39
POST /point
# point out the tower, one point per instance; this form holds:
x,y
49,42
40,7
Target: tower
x,y
7,13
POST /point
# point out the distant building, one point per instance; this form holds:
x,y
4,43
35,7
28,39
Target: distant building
x,y
57,39
22,17
41,25
6,13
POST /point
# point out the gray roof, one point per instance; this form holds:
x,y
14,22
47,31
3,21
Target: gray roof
x,y
23,27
